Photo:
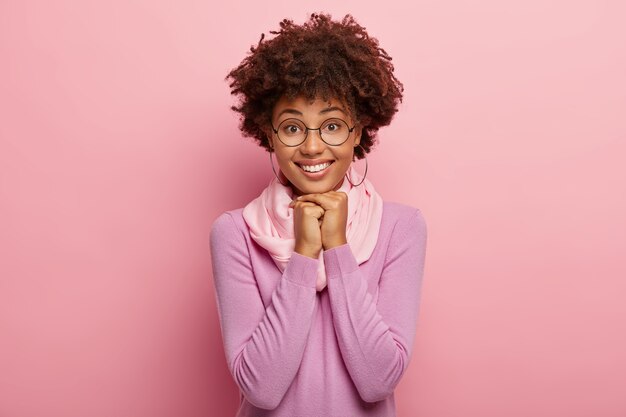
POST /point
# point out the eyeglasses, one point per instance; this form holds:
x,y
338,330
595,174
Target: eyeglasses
x,y
293,132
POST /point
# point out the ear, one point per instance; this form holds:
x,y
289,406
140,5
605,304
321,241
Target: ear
x,y
357,137
268,133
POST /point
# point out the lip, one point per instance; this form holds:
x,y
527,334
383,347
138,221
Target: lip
x,y
316,175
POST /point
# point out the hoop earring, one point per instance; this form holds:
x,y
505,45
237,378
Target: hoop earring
x,y
272,164
364,175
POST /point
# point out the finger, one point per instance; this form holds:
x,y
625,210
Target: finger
x,y
313,210
324,200
307,203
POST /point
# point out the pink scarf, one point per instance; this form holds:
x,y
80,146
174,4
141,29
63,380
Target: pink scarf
x,y
270,220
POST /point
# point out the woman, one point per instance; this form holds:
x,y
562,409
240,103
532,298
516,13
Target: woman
x,y
318,279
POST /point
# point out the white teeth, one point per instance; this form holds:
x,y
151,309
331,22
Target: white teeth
x,y
315,168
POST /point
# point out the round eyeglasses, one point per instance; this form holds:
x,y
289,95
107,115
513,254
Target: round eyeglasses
x,y
293,132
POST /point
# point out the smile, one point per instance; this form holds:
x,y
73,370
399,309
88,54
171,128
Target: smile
x,y
315,168
315,171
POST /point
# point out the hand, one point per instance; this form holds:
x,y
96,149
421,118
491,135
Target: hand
x,y
306,224
334,217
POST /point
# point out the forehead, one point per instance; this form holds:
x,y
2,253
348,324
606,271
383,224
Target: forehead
x,y
307,107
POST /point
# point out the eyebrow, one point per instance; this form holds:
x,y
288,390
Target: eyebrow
x,y
326,110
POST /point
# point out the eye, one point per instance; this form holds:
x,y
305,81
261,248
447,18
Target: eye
x,y
334,126
291,129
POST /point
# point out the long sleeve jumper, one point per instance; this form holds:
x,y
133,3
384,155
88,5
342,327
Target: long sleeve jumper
x,y
340,352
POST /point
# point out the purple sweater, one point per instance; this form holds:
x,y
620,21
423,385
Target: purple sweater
x,y
296,352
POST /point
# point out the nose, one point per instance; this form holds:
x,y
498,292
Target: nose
x,y
313,143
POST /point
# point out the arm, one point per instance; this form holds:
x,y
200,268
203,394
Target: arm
x,y
376,339
263,346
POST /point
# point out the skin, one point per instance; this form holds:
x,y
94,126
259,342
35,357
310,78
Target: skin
x,y
320,212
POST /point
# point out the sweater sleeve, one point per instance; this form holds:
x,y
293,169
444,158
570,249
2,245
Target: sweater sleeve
x,y
376,339
263,346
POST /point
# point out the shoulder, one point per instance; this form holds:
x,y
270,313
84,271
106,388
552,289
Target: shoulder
x,y
228,222
405,230
403,215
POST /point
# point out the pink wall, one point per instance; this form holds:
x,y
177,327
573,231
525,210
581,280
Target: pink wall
x,y
118,149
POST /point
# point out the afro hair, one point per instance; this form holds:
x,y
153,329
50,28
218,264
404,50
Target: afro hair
x,y
320,59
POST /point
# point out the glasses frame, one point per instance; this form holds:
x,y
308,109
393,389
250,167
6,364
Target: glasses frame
x,y
306,133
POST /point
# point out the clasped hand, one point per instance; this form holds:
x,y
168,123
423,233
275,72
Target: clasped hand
x,y
320,220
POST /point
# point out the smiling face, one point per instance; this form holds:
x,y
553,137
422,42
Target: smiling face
x,y
314,150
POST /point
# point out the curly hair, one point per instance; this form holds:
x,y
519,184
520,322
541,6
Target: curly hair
x,y
321,58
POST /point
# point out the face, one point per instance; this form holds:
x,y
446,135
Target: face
x,y
290,158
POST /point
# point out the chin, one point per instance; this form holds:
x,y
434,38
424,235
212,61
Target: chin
x,y
317,187
312,189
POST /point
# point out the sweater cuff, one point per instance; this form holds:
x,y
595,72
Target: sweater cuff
x,y
302,270
339,261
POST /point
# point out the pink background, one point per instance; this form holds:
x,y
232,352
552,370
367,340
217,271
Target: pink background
x,y
118,149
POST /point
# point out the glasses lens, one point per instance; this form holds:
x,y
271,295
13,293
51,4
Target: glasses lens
x,y
291,132
335,131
